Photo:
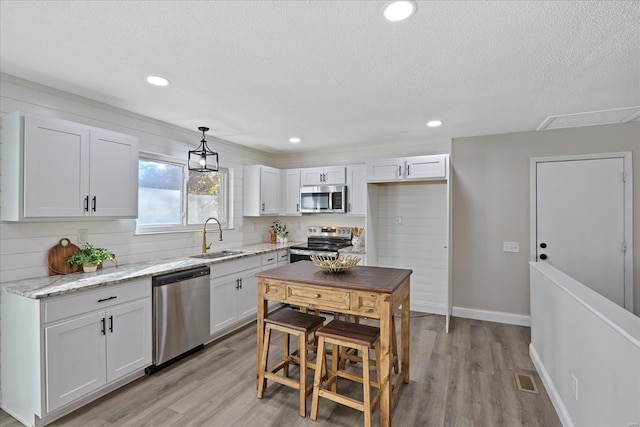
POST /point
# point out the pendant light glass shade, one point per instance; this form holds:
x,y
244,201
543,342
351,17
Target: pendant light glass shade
x,y
203,159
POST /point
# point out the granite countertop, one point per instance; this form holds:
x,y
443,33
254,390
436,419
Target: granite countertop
x,y
356,250
43,287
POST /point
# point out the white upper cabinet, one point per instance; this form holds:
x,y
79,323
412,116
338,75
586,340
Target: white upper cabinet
x,y
261,190
356,190
291,192
433,167
333,175
53,168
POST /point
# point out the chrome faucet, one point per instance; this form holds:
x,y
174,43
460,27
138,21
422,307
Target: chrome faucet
x,y
206,247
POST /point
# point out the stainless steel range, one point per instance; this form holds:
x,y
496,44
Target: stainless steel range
x,y
321,241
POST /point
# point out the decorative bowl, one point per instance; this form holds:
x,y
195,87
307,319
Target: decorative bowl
x,y
334,265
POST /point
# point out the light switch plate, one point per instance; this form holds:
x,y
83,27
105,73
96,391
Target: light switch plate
x,y
83,236
510,246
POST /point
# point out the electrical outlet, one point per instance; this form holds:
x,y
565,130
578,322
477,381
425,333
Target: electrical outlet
x,y
83,236
574,386
510,246
398,220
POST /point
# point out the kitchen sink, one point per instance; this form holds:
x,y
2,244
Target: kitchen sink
x,y
219,254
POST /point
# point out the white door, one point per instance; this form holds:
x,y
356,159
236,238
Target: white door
x,y
56,163
224,306
291,192
128,338
75,359
270,191
580,214
248,294
357,190
113,174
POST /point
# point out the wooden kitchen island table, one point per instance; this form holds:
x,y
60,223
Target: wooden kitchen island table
x,y
373,292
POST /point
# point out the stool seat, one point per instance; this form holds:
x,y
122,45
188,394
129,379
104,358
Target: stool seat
x,y
350,332
296,320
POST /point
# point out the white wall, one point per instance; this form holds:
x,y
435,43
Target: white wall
x,y
491,205
577,332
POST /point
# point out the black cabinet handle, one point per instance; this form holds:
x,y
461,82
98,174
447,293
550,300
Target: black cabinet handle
x,y
237,284
106,299
399,170
543,256
263,207
103,322
240,283
86,204
408,170
93,204
297,207
111,324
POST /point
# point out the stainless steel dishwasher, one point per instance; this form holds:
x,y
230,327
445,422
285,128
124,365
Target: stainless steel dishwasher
x,y
180,315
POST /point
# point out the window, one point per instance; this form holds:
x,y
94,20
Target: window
x,y
172,198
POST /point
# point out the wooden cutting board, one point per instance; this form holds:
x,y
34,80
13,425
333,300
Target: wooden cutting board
x,y
58,256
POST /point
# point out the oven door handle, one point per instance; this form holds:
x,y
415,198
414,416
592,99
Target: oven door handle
x,y
311,252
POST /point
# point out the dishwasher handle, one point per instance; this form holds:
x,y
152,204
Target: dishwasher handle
x,y
179,276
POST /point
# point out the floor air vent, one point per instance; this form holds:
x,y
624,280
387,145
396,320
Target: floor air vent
x,y
526,383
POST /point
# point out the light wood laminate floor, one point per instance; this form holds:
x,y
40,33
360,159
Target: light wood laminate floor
x,y
464,378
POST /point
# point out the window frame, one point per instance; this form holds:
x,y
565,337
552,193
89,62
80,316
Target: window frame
x,y
184,226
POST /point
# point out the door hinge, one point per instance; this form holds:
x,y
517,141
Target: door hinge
x,y
624,176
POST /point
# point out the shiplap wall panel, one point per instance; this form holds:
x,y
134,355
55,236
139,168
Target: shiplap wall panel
x,y
24,246
419,241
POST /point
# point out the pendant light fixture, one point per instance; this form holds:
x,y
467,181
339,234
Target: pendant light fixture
x,y
203,159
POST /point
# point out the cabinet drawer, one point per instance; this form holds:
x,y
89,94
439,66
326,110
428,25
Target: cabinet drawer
x,y
233,267
310,296
95,299
365,303
283,257
274,290
269,259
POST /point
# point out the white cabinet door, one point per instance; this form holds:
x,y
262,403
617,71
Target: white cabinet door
x,y
331,175
128,338
56,168
334,175
426,167
311,176
291,194
261,190
248,294
113,174
75,356
224,308
270,191
356,190
385,170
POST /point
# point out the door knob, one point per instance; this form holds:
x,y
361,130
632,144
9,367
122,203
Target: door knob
x,y
543,245
543,256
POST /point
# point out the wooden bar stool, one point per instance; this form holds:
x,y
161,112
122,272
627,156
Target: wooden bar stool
x,y
351,335
298,324
352,355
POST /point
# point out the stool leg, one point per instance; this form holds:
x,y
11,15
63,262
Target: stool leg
x,y
317,380
366,385
285,355
335,358
263,362
302,352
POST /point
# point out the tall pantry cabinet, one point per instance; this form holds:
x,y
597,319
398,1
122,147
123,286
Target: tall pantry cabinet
x,y
408,225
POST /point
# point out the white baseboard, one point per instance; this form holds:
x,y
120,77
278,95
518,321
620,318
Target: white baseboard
x,y
557,402
492,316
426,307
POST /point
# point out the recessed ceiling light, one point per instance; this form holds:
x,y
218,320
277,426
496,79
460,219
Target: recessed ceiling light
x,y
294,140
434,123
157,81
399,10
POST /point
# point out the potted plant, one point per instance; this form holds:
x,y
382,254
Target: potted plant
x,y
89,257
278,231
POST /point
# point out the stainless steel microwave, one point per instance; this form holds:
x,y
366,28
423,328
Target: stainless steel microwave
x,y
323,199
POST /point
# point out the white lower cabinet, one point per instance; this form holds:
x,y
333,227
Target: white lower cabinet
x,y
70,349
234,292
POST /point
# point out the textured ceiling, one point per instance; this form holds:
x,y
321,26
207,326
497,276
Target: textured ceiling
x,y
332,72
